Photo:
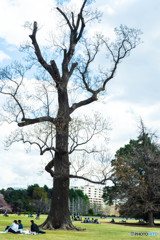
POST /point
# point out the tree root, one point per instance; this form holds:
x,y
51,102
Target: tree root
x,y
66,227
46,225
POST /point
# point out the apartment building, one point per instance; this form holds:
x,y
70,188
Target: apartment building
x,y
94,194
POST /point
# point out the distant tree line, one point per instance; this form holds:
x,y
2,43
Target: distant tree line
x,y
78,202
37,199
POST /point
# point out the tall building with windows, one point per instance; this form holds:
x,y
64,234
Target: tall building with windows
x,y
94,194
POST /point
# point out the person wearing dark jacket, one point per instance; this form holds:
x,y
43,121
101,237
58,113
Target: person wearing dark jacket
x,y
35,228
20,225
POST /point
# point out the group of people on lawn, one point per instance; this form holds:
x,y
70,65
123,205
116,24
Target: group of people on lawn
x,y
17,228
87,220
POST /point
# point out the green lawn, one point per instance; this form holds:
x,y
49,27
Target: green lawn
x,y
103,231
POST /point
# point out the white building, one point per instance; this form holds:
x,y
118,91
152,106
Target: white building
x,y
94,194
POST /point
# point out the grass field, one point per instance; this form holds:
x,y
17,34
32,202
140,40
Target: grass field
x,y
103,231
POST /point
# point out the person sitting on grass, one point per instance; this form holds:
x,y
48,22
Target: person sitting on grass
x,y
20,225
112,221
92,220
35,228
85,220
123,221
96,221
13,228
5,214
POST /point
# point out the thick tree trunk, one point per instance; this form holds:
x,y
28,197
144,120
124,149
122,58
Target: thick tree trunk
x,y
59,216
150,219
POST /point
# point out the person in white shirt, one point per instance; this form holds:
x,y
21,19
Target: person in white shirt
x,y
13,228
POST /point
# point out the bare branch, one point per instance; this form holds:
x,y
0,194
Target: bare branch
x,y
127,39
82,103
11,87
51,69
30,137
49,149
31,143
75,36
84,150
50,165
37,49
66,18
103,181
28,121
89,133
80,17
74,65
73,23
18,103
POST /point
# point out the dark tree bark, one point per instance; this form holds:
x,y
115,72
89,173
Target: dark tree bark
x,y
59,213
59,216
150,219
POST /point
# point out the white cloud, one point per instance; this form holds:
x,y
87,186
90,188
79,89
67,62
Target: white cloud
x,y
21,169
112,7
125,117
3,56
13,15
123,3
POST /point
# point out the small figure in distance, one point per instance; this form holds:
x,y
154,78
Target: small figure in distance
x,y
112,221
5,214
96,221
85,220
37,216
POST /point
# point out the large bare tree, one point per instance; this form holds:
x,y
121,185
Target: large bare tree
x,y
74,63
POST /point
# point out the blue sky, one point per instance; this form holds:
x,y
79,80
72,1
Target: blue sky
x,y
134,92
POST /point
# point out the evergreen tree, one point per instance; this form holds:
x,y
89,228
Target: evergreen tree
x,y
135,174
